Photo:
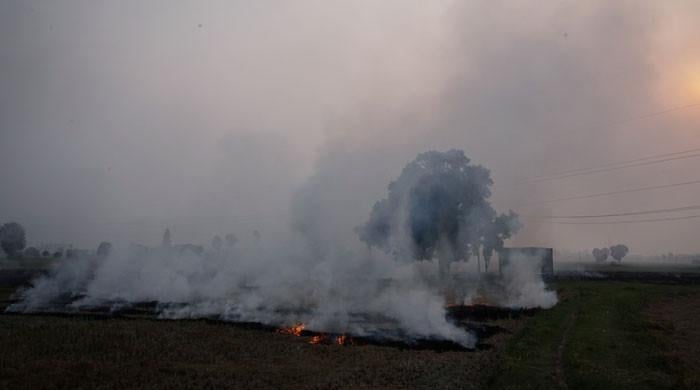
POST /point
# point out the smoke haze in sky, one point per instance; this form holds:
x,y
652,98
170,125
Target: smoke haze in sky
x,y
118,119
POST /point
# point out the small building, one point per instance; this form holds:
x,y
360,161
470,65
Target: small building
x,y
543,256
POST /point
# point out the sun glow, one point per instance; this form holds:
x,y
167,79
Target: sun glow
x,y
694,84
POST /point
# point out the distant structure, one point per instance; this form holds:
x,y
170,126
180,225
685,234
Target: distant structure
x,y
167,241
544,256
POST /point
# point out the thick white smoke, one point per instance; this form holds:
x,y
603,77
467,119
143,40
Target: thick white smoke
x,y
310,275
366,295
524,285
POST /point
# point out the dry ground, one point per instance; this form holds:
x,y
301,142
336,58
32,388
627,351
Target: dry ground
x,y
603,335
89,352
677,318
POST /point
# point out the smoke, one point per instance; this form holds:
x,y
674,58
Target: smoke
x,y
524,285
203,118
308,275
270,282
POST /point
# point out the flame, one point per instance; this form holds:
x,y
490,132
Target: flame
x,y
318,339
295,330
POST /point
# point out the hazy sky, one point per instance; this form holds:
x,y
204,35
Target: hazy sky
x,y
119,118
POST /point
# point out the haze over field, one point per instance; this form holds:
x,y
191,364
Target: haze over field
x,y
118,119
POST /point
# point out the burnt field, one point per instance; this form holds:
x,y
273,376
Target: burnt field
x,y
614,332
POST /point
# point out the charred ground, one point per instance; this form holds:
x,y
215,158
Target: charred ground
x,y
620,333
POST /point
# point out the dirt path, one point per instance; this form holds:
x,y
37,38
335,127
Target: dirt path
x,y
559,373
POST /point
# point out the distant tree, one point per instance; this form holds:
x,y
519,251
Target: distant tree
x,y
217,243
189,249
104,249
231,240
495,234
31,252
58,254
619,251
440,201
601,254
12,238
167,240
45,253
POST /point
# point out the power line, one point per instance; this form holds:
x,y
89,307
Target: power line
x,y
596,169
612,168
601,194
645,212
653,114
624,221
611,165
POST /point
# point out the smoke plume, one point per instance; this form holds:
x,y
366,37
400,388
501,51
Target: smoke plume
x,y
307,276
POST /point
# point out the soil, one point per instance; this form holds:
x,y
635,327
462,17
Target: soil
x,y
60,351
675,320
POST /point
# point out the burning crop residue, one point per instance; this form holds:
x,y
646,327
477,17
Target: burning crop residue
x,y
298,330
433,212
318,339
295,330
328,340
343,340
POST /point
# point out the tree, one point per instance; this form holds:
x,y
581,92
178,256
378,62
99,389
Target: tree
x,y
31,253
167,241
12,238
495,234
231,240
438,206
104,249
217,243
601,254
619,251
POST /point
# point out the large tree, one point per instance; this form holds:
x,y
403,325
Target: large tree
x,y
438,206
618,251
601,254
12,238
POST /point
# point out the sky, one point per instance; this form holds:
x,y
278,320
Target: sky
x,y
119,119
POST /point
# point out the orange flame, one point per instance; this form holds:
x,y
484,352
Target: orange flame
x,y
318,339
343,339
295,330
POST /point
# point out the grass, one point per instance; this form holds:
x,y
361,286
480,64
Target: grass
x,y
598,337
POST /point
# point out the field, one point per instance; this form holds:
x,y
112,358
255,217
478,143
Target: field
x,y
604,334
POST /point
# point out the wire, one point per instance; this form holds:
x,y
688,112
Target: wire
x,y
653,114
601,194
597,169
612,164
624,221
612,168
646,212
